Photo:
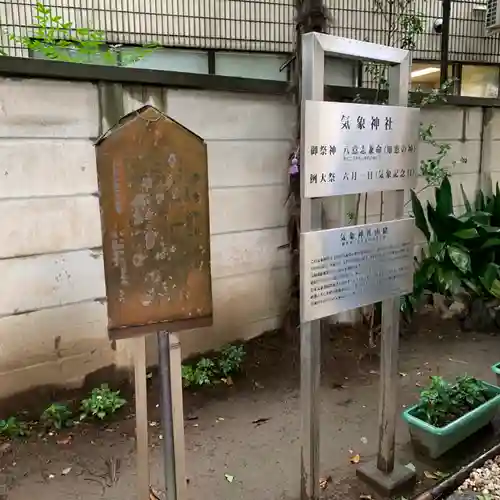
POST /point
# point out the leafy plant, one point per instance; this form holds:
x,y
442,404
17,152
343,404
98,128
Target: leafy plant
x,y
211,371
56,416
435,169
230,360
442,402
60,40
462,254
202,373
102,403
13,428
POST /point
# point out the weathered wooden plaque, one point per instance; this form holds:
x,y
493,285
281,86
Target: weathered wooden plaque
x,y
153,186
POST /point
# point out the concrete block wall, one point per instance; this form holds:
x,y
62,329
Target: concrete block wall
x,y
491,174
52,307
461,128
52,280
248,141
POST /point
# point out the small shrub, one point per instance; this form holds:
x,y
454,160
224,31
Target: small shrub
x,y
13,428
187,372
56,416
441,402
211,371
231,359
202,373
462,255
102,403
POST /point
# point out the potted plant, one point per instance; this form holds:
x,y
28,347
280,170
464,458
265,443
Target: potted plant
x,y
447,413
496,371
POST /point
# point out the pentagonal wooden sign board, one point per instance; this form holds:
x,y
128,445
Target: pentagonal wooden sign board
x,y
153,185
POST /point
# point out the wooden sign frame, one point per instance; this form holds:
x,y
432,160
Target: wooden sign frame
x,y
153,192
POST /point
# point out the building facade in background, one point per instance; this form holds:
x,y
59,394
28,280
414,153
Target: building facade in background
x,y
254,38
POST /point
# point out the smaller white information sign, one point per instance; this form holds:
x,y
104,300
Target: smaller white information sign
x,y
359,148
355,266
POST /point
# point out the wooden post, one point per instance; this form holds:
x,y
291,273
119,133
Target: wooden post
x,y
399,83
384,474
141,417
178,416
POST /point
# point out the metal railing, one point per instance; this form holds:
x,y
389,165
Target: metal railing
x,y
377,21
251,25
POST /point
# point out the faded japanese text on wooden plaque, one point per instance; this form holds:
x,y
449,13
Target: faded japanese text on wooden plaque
x,y
153,184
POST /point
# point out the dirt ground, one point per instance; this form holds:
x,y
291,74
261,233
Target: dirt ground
x,y
263,458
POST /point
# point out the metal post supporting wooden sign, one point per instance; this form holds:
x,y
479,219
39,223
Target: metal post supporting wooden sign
x,y
349,148
141,417
167,420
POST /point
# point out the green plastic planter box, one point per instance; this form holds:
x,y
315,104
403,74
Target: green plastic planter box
x,y
435,441
496,371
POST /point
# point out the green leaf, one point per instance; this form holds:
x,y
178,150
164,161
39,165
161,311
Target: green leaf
x,y
467,204
452,281
490,274
495,211
466,234
460,258
476,216
436,250
434,221
480,203
472,286
444,199
442,280
491,242
495,289
420,220
489,230
423,275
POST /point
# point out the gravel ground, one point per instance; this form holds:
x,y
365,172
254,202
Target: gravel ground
x,y
484,481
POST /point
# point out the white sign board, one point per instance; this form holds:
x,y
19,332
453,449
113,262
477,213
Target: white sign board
x,y
355,266
358,148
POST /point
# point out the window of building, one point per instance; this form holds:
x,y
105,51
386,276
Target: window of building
x,y
426,76
95,58
186,61
247,65
479,81
239,64
473,80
